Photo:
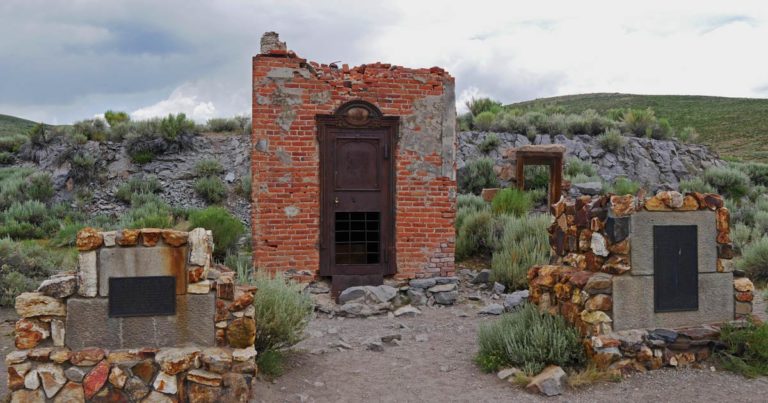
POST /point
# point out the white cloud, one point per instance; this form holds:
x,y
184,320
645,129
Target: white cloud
x,y
182,100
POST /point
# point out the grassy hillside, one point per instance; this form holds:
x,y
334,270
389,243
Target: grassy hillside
x,y
14,125
735,127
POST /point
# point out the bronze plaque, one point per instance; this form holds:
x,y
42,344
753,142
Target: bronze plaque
x,y
675,268
142,296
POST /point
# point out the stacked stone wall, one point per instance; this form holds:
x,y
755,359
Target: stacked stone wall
x,y
596,280
70,350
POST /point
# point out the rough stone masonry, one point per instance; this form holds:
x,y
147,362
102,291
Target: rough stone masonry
x,y
288,93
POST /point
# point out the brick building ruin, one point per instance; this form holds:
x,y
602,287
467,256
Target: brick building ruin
x,y
353,169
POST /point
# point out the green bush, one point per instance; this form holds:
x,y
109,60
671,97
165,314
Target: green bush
x,y
639,122
282,313
742,236
142,157
523,243
623,186
6,158
83,168
538,195
490,143
469,200
38,135
536,176
208,167
530,340
12,142
757,171
477,175
687,135
746,351
612,141
270,363
30,219
147,211
575,166
472,238
115,118
91,129
226,228
211,189
39,187
696,185
662,130
245,187
173,126
512,201
483,121
477,106
729,182
224,125
754,260
138,185
24,264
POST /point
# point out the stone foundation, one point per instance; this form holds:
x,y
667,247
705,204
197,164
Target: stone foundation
x,y
69,348
602,277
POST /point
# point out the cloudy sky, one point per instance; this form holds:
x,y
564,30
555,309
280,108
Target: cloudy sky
x,y
62,61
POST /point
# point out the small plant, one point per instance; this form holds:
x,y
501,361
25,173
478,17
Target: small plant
x,y
147,211
11,143
173,126
245,187
623,186
536,176
208,167
729,182
226,228
754,260
473,235
24,264
512,201
211,189
282,313
477,175
696,185
523,243
270,363
575,166
39,187
639,122
592,375
472,201
746,351
143,157
742,236
138,185
115,118
483,121
6,158
83,168
490,143
477,106
612,141
530,340
224,125
91,129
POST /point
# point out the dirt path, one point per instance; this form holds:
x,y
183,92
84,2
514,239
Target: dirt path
x,y
440,369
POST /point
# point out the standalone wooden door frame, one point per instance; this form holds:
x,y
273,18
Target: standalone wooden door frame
x,y
356,116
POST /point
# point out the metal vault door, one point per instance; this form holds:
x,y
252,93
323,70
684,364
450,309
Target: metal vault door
x,y
357,194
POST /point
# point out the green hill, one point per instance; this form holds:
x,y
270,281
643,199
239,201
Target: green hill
x,y
13,125
735,127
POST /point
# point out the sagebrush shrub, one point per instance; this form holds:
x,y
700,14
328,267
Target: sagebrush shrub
x,y
523,243
746,348
512,201
208,167
226,228
138,185
469,200
147,211
476,175
483,121
477,106
757,171
92,129
729,182
174,126
742,235
24,264
12,142
6,158
575,166
623,186
696,185
639,122
473,235
754,260
39,187
490,143
83,167
115,118
530,340
612,140
224,125
211,189
282,313
536,176
687,135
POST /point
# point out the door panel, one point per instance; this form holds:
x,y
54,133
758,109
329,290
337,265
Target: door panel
x,y
357,209
675,268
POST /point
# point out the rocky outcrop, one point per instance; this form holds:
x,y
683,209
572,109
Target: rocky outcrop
x,y
654,163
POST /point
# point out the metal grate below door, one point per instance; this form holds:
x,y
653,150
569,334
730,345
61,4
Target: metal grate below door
x,y
357,237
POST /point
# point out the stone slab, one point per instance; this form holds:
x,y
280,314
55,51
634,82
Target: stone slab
x,y
633,306
89,324
641,254
143,261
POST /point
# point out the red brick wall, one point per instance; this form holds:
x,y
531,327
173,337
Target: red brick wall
x,y
287,94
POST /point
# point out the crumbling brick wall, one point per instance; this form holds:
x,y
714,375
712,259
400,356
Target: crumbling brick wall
x,y
288,92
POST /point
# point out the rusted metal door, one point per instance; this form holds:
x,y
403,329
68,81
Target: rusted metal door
x,y
357,215
675,268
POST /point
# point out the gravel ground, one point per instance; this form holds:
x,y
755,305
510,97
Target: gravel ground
x,y
433,363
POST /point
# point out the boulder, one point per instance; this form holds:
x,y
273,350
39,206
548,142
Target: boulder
x,y
59,287
446,298
483,277
549,382
32,304
515,300
422,283
492,309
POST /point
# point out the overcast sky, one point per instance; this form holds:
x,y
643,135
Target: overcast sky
x,y
62,61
